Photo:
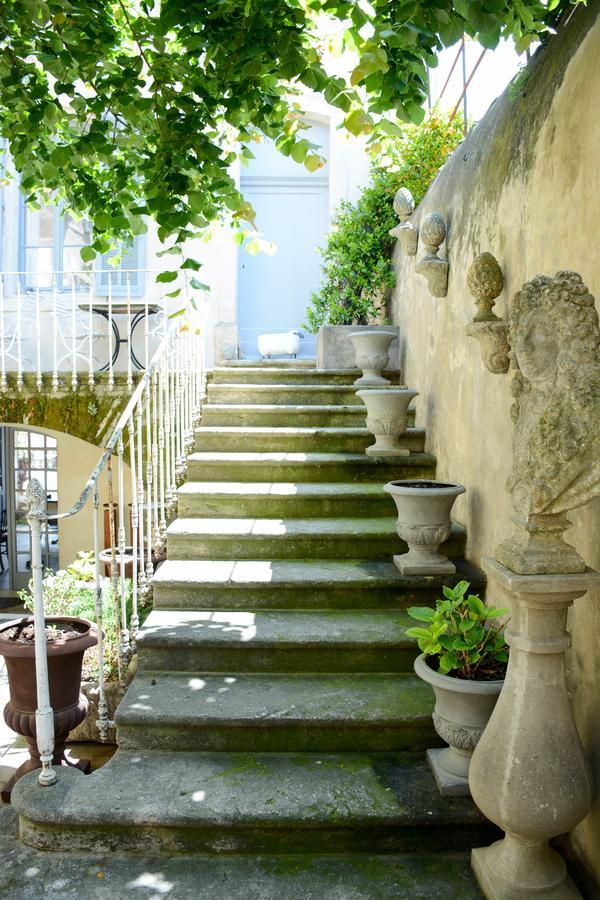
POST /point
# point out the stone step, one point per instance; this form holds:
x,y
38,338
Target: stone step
x,y
277,713
163,803
296,440
296,467
287,375
285,362
276,641
249,538
285,394
298,584
288,415
282,499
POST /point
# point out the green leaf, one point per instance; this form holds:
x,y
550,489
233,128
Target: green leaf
x,y
166,277
418,633
199,285
87,254
422,613
192,264
358,122
448,661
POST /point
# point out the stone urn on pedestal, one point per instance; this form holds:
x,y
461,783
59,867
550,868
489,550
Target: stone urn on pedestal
x,y
371,349
387,419
529,773
424,522
65,657
462,710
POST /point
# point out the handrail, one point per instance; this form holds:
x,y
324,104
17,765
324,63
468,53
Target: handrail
x,y
117,431
157,425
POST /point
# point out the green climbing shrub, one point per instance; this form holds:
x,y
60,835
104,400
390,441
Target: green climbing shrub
x,y
357,265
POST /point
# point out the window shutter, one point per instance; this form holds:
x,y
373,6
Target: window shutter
x,y
132,260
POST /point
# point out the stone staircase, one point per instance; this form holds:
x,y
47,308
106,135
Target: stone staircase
x,y
275,720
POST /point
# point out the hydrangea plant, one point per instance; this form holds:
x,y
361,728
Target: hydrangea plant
x,y
463,636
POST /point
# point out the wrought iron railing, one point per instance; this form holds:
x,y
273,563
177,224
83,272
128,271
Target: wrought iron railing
x,y
75,325
152,437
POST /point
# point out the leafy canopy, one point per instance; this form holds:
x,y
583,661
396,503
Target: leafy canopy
x,y
462,635
133,108
357,257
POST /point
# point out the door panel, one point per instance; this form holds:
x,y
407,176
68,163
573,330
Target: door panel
x,y
292,212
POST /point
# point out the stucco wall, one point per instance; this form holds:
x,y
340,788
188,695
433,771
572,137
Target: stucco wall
x,y
525,186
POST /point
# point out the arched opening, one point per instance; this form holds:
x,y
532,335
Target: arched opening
x,y
25,454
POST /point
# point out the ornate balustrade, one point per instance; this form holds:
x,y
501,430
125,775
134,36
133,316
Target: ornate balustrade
x,y
152,438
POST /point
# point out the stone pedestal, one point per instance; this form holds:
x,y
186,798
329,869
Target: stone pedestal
x,y
529,773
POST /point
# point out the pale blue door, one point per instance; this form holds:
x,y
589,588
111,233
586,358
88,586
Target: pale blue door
x,y
292,211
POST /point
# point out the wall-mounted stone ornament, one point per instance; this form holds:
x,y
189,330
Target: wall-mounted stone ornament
x,y
485,282
554,336
435,270
405,232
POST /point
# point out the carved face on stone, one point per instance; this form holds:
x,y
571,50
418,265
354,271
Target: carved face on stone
x,y
555,341
536,348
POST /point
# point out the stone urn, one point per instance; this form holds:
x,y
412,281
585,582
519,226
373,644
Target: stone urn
x,y
65,657
387,418
371,348
424,522
462,711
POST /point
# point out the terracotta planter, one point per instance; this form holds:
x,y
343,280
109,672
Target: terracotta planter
x,y
462,711
387,418
371,348
424,523
65,657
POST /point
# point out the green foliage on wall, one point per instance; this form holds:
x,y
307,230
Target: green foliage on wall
x,y
357,258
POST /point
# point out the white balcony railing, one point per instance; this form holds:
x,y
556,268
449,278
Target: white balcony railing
x,y
75,325
153,436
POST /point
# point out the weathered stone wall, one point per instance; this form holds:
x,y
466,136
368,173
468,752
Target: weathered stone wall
x,y
525,186
88,413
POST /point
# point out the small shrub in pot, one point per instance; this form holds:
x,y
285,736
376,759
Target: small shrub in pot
x,y
464,655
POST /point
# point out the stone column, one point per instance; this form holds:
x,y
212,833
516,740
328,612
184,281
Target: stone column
x,y
529,773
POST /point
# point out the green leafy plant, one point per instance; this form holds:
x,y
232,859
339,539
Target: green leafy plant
x,y
70,592
357,258
462,635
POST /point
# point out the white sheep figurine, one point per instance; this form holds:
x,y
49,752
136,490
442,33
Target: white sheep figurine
x,y
286,344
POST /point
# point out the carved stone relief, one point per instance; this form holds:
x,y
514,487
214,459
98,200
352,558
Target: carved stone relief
x,y
555,339
405,232
435,270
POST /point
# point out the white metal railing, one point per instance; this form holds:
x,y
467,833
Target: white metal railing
x,y
153,436
80,324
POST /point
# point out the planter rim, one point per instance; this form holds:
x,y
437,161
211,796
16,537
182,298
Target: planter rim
x,y
370,329
458,685
61,647
408,487
380,392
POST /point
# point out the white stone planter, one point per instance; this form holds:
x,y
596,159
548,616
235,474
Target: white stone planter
x,y
371,348
424,523
462,711
387,418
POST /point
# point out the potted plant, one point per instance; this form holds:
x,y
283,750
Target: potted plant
x,y
387,418
424,523
464,655
67,639
70,591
